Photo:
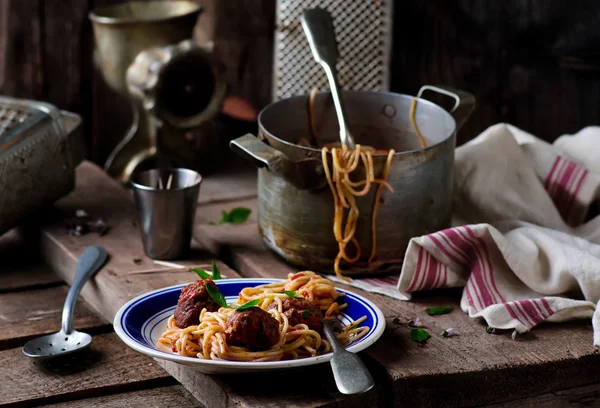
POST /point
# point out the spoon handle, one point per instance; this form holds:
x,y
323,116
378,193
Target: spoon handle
x,y
350,373
89,262
318,28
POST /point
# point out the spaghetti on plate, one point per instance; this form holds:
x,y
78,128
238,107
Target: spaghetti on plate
x,y
275,321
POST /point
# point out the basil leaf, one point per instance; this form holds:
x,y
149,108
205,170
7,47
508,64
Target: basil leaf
x,y
441,310
247,305
290,293
306,314
216,275
216,295
202,273
419,335
237,215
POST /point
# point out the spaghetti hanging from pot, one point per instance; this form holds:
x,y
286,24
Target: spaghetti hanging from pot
x,y
345,191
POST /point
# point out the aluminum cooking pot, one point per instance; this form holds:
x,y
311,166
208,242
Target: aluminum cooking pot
x,y
295,205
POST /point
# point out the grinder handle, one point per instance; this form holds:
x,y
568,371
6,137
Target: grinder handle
x,y
464,102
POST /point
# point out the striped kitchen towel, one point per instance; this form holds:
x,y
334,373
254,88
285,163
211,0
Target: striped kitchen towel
x,y
524,243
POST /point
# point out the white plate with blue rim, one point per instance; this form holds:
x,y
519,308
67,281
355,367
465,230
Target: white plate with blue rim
x,y
141,321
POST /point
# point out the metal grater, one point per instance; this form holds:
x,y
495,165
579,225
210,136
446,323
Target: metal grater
x,y
39,149
364,33
9,118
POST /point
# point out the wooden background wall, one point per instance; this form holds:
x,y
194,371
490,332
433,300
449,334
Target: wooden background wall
x,y
533,63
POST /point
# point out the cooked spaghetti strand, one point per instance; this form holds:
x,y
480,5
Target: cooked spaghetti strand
x,y
413,122
386,171
345,163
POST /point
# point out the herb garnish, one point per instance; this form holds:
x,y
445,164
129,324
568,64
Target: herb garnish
x,y
219,299
246,305
216,295
290,293
306,313
202,273
440,310
237,215
353,327
215,275
419,335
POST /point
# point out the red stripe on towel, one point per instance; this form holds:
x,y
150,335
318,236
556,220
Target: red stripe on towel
x,y
551,174
547,306
415,276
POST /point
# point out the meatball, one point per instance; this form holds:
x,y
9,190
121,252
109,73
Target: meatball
x,y
252,328
192,300
300,310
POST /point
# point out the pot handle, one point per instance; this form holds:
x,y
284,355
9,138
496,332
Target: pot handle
x,y
259,153
464,102
305,174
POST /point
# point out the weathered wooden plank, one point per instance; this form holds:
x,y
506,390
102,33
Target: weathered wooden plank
x,y
112,286
67,54
169,396
21,49
102,196
107,366
106,103
244,42
27,314
67,62
212,212
20,264
240,244
27,276
312,387
236,183
530,63
549,358
586,396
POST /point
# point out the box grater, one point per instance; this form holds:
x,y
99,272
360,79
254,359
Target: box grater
x,y
39,149
363,30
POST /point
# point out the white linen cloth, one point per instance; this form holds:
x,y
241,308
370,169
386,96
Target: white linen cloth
x,y
518,243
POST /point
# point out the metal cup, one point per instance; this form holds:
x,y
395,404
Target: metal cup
x,y
166,202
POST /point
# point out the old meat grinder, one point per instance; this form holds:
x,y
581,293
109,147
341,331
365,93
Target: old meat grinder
x,y
146,53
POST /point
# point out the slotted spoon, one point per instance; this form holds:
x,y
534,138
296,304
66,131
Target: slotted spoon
x,y
68,340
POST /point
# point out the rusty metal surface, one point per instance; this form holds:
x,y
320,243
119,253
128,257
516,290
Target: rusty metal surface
x,y
146,53
38,155
122,31
298,224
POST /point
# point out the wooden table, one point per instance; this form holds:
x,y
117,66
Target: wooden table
x,y
554,366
